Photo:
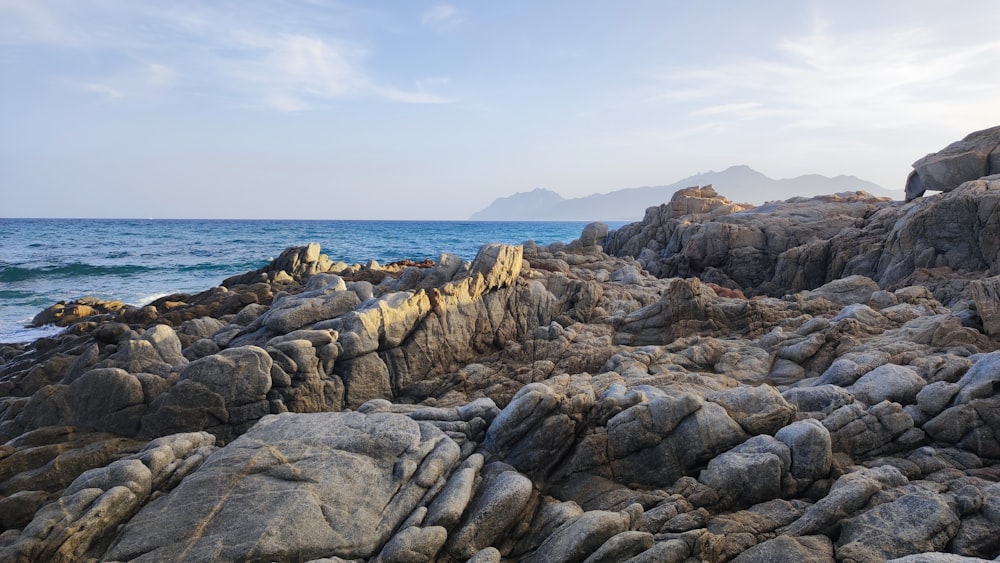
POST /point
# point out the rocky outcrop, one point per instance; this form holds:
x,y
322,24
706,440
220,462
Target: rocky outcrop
x,y
540,403
786,247
975,156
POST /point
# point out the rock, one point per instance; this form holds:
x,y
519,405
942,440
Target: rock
x,y
790,549
413,545
450,504
593,235
342,481
499,502
301,311
530,433
107,400
986,296
971,158
811,448
845,291
744,479
576,540
849,494
17,509
758,410
669,551
297,262
913,523
488,555
818,398
213,391
856,431
935,558
888,383
621,547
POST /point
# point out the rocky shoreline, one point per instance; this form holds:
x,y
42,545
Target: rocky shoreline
x,y
809,380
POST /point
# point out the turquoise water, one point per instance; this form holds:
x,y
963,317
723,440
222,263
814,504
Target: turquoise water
x,y
43,261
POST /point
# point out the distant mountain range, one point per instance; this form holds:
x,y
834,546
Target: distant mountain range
x,y
739,183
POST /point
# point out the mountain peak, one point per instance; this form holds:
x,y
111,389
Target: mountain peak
x,y
740,183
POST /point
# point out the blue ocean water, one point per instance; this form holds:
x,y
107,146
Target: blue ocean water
x,y
44,261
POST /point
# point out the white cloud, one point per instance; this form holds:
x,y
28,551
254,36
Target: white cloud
x,y
261,56
137,79
441,16
745,110
854,81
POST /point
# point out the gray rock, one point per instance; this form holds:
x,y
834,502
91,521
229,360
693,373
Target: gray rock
x,y
982,380
857,431
413,545
576,540
498,504
986,296
888,383
973,157
845,291
934,398
447,508
913,523
818,398
744,479
530,433
758,410
811,447
488,555
342,481
593,235
109,400
296,312
669,551
849,494
622,546
790,549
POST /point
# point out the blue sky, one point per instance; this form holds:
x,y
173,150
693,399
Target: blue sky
x,y
424,110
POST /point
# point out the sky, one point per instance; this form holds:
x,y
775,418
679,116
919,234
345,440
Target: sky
x,y
431,110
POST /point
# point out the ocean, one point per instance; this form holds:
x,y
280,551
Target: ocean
x,y
44,261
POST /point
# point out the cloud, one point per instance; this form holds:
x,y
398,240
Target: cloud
x,y
137,79
441,16
265,56
860,80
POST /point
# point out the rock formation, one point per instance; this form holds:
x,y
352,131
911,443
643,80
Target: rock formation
x,y
975,156
570,402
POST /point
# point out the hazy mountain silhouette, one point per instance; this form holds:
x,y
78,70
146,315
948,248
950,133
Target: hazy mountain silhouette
x,y
738,183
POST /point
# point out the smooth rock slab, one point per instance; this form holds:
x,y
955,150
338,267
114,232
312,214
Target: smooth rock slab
x,y
295,487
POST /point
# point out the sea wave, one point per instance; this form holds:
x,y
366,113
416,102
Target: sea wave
x,y
11,274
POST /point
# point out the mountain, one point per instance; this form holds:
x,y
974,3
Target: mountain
x,y
738,183
514,206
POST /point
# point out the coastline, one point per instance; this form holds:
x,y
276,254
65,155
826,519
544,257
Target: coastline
x,y
816,379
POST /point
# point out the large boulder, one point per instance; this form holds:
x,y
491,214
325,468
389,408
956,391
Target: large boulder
x,y
975,156
296,487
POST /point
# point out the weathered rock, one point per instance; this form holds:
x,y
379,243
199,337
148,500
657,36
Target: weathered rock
x,y
986,296
342,481
973,157
744,479
228,388
913,523
888,383
499,502
811,448
790,549
530,433
849,494
576,540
